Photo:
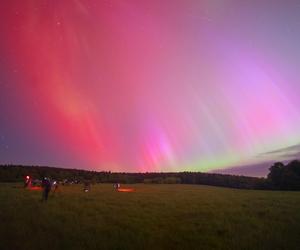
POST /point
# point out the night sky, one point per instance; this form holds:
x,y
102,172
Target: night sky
x,y
152,85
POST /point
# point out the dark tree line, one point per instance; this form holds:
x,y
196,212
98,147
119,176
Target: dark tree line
x,y
281,177
285,177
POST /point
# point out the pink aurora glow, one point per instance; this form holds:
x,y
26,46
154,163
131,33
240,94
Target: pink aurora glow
x,y
148,85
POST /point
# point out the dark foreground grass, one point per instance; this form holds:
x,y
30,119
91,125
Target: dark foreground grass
x,y
153,217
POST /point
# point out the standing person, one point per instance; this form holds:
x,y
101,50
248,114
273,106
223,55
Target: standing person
x,y
27,182
55,185
117,186
46,184
87,186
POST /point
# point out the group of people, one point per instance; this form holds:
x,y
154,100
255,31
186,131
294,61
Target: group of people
x,y
47,185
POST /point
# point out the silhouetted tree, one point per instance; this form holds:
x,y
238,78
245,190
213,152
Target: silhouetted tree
x,y
276,174
291,176
285,177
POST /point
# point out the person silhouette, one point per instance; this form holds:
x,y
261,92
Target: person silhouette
x,y
46,185
87,186
27,181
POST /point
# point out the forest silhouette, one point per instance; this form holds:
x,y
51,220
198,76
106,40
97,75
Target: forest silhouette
x,y
280,177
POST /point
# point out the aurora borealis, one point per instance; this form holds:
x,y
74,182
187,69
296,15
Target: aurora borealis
x,y
149,85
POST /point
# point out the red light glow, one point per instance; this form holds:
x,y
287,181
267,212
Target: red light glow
x,y
35,188
125,190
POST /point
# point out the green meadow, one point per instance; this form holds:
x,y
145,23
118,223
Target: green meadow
x,y
152,217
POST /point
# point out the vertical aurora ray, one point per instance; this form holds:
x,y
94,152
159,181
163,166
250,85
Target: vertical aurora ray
x,y
148,86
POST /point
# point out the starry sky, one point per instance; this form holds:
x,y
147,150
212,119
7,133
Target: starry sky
x,y
136,86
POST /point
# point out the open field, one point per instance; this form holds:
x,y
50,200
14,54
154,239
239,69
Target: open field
x,y
152,217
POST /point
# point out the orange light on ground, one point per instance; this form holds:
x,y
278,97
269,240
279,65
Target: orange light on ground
x,y
35,188
125,190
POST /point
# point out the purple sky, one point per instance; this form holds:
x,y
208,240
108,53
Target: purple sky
x,y
198,85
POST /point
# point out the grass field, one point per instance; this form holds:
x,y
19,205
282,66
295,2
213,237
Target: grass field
x,y
152,217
